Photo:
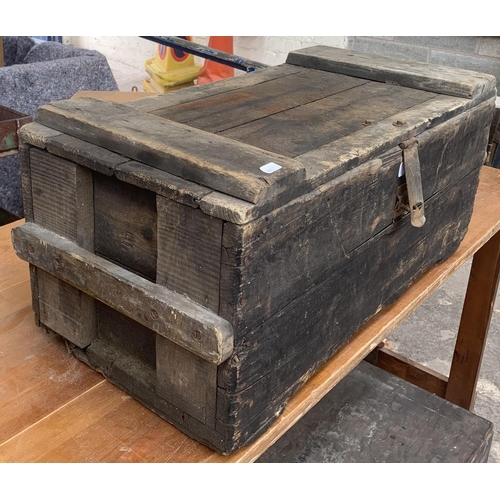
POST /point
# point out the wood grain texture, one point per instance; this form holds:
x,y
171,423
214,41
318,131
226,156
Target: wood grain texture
x,y
197,92
171,315
278,257
409,370
37,374
65,310
232,109
186,381
63,202
214,162
441,79
379,418
53,182
189,252
130,432
125,225
266,368
474,324
310,126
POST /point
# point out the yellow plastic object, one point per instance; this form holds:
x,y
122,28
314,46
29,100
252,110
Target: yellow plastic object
x,y
170,68
149,85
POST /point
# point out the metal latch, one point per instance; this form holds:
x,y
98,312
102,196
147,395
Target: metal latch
x,y
413,181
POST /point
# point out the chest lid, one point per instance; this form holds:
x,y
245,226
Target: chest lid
x,y
268,137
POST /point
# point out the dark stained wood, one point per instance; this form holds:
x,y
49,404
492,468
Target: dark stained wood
x,y
171,315
186,381
140,380
409,370
24,168
299,273
53,183
231,109
308,127
63,203
65,310
319,321
276,258
414,74
106,425
125,225
474,324
189,252
211,161
372,416
130,338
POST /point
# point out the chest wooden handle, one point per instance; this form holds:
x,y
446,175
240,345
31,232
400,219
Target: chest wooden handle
x,y
171,315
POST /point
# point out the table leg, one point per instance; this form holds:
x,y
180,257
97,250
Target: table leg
x,y
474,324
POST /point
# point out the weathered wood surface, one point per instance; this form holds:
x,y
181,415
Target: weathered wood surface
x,y
173,316
189,252
277,258
195,155
63,202
337,157
104,424
322,165
307,127
232,109
255,386
186,381
372,416
414,74
126,225
187,94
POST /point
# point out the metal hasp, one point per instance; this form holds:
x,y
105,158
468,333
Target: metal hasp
x,y
413,181
197,49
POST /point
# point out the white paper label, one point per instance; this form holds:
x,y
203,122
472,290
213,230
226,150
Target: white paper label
x,y
401,170
269,168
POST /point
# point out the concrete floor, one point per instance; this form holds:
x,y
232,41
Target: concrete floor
x,y
428,335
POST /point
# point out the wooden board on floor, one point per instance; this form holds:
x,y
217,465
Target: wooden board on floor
x,y
98,422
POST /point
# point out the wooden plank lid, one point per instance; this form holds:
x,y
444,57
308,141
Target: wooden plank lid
x,y
222,164
455,82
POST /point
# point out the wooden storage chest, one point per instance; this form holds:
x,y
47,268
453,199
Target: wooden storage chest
x,y
208,249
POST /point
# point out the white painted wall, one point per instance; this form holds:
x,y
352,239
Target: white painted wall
x,y
272,50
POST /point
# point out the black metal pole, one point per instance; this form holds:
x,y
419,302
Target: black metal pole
x,y
197,49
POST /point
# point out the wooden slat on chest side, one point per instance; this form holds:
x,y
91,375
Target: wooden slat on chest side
x,y
65,309
272,260
186,381
308,127
222,112
267,368
125,225
189,252
63,203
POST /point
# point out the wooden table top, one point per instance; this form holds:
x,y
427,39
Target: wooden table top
x,y
54,408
